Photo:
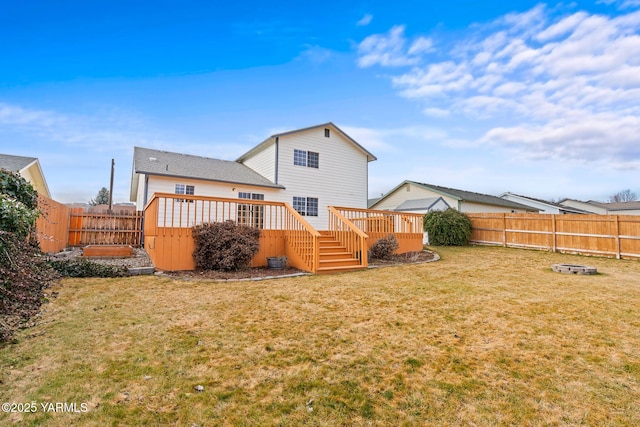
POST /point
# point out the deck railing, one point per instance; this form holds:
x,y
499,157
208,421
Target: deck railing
x,y
302,240
406,227
349,236
169,219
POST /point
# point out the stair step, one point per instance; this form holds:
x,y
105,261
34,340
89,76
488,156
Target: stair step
x,y
339,262
335,255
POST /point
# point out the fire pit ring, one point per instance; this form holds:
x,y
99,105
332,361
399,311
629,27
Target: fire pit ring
x,y
573,269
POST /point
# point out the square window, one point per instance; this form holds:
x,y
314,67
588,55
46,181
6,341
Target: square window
x,y
300,157
306,206
312,206
185,189
299,204
313,159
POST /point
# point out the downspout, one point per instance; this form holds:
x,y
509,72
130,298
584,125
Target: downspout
x,y
277,157
146,190
146,193
366,192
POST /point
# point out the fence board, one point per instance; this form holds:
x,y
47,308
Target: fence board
x,y
117,228
53,225
607,235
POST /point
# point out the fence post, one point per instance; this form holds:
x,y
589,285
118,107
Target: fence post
x,y
555,236
617,234
504,230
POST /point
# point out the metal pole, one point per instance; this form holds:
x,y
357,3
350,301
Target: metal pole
x,y
113,163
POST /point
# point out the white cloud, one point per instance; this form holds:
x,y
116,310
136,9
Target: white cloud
x,y
550,85
365,20
387,50
437,112
421,45
316,54
387,139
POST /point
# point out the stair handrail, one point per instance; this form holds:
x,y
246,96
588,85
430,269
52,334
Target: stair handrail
x,y
357,246
302,238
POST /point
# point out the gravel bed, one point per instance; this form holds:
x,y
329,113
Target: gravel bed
x,y
139,260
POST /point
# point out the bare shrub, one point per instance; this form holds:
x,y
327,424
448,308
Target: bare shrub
x,y
384,247
224,245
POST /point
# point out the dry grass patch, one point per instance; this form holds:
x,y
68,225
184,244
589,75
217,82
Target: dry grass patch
x,y
485,336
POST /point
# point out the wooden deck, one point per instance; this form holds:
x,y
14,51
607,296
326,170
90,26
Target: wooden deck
x,y
342,247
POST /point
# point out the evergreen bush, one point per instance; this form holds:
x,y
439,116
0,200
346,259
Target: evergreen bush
x,y
447,228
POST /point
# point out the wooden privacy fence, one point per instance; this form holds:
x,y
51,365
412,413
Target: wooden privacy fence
x,y
607,235
53,225
117,228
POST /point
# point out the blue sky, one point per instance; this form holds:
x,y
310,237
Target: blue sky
x,y
541,99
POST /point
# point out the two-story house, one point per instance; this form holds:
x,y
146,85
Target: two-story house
x,y
309,168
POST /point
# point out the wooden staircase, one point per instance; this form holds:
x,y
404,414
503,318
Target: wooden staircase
x,y
334,257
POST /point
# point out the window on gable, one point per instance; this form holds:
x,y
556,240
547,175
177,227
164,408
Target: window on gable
x,y
309,159
326,133
306,206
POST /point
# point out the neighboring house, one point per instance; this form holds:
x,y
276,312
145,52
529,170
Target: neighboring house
x,y
543,205
423,205
28,168
615,208
463,201
309,168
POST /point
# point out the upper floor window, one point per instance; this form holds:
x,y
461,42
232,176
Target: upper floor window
x,y
309,159
326,133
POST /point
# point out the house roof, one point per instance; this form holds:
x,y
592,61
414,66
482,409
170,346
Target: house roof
x,y
419,204
15,163
465,196
271,139
166,163
617,206
21,164
546,202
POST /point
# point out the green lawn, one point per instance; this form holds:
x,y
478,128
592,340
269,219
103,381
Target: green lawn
x,y
485,336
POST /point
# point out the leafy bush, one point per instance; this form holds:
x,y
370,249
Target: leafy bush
x,y
24,275
18,204
224,245
447,228
384,247
84,268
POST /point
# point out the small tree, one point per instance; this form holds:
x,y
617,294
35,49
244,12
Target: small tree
x,y
102,198
447,228
624,196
